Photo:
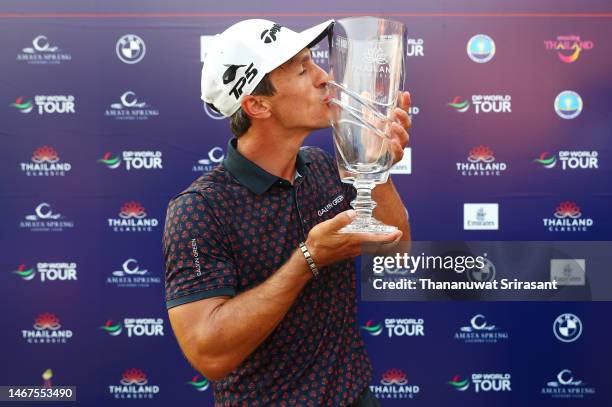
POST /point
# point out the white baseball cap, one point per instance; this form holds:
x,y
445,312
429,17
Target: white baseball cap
x,y
237,59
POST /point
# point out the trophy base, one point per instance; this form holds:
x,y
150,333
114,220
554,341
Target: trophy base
x,y
368,225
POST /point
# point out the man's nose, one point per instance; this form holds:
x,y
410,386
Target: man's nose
x,y
321,77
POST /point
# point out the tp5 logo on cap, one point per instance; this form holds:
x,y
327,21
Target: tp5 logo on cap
x,y
237,59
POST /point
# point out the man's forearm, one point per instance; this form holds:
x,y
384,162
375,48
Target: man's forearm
x,y
239,325
390,208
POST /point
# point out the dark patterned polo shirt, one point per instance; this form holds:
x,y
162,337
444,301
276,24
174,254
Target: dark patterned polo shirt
x,y
228,232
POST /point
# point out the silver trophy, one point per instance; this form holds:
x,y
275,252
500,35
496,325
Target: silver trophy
x,y
367,71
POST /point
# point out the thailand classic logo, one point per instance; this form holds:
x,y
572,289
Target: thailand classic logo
x,y
394,385
132,218
134,384
43,53
47,104
481,163
568,47
570,160
567,218
133,160
48,272
47,329
481,48
568,104
45,162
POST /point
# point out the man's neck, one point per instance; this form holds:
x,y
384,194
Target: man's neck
x,y
275,153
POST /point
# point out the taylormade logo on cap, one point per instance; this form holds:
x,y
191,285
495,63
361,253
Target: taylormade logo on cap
x,y
242,55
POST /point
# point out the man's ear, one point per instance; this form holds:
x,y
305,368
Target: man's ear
x,y
256,107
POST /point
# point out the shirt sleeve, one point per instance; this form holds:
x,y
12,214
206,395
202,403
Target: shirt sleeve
x,y
197,252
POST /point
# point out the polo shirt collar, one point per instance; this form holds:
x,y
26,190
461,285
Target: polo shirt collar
x,y
250,174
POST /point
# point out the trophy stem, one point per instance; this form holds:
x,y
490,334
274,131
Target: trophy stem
x,y
363,204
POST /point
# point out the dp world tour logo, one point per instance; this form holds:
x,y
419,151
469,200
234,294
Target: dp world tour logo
x,y
45,162
567,218
394,385
481,48
415,47
570,160
567,327
47,104
483,104
132,276
130,108
459,384
480,331
42,52
111,328
483,382
568,47
459,104
568,104
481,163
48,272
132,218
134,384
23,104
47,329
130,49
25,273
133,160
397,327
566,386
135,327
199,383
110,160
372,328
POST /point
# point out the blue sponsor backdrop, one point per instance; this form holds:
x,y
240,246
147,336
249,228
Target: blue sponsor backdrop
x,y
101,123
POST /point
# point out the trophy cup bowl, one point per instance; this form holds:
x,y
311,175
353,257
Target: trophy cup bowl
x,y
367,70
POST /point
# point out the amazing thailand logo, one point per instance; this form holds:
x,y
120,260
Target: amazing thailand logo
x,y
568,47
